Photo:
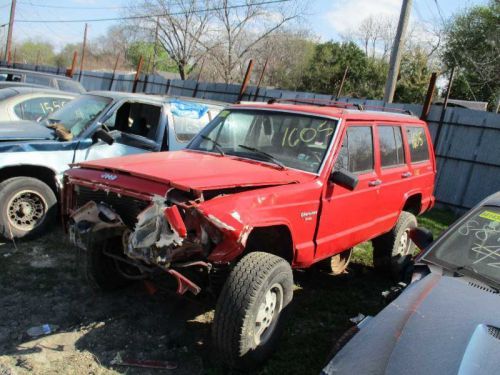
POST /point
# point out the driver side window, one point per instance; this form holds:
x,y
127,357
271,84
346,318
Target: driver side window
x,y
139,119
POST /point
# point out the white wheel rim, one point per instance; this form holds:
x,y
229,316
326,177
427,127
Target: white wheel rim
x,y
268,314
404,243
26,209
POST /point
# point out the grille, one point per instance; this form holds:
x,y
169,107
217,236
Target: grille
x,y
494,331
127,207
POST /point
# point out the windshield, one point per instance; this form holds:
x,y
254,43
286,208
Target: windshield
x,y
472,247
281,138
77,114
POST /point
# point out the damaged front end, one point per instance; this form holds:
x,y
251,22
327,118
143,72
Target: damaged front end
x,y
171,234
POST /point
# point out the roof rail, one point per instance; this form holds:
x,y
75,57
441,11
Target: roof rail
x,y
318,102
337,104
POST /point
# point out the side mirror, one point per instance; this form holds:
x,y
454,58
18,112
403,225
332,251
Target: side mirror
x,y
344,178
104,136
422,237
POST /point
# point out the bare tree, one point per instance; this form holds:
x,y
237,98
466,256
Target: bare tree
x,y
239,31
181,25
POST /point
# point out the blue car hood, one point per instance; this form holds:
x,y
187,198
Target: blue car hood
x,y
24,131
439,325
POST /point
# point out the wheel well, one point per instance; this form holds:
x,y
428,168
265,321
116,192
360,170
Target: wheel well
x,y
44,174
275,240
413,204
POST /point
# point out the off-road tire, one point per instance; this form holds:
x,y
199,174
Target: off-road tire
x,y
241,298
336,264
387,257
40,193
97,269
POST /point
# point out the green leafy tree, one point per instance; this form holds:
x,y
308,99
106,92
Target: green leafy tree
x,y
327,65
31,51
146,49
414,74
473,46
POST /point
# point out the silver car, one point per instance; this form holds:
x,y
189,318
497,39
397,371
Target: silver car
x,y
28,103
447,321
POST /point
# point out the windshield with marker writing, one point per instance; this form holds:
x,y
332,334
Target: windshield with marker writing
x,y
286,139
472,247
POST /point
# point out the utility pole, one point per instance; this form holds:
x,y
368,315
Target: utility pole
x,y
83,52
392,77
9,33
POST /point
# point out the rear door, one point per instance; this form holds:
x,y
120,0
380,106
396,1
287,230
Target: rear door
x,y
350,217
395,173
421,162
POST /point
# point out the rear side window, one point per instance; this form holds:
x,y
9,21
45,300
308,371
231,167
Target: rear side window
x,y
38,80
417,140
356,154
391,146
189,118
32,109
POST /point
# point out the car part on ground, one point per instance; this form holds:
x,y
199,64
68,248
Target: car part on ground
x,y
336,264
250,198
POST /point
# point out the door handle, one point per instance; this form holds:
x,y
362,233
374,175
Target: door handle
x,y
374,183
406,175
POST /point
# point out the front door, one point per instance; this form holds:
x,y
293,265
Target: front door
x,y
136,128
349,217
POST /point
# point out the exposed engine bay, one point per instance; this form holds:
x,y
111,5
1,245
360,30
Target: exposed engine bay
x,y
170,233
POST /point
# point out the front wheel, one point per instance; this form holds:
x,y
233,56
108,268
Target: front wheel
x,y
250,311
27,207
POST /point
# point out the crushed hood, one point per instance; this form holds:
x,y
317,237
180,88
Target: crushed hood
x,y
197,171
24,131
434,327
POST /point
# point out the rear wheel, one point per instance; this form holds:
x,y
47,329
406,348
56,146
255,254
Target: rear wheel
x,y
249,316
393,250
27,207
336,264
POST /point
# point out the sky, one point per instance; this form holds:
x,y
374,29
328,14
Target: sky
x,y
329,19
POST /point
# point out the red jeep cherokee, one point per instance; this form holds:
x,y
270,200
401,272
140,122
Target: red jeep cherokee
x,y
263,188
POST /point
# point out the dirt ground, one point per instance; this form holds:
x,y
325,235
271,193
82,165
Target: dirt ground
x,y
39,285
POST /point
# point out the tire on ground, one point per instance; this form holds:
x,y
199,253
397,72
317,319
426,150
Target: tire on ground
x,y
100,271
28,207
245,307
393,250
336,264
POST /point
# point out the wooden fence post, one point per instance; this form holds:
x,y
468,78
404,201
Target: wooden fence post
x,y
137,74
428,97
246,80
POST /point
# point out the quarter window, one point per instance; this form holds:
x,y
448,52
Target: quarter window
x,y
391,146
356,154
417,140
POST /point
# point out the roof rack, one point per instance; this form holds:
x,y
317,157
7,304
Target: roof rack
x,y
337,104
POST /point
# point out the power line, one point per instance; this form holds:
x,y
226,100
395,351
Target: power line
x,y
68,7
155,15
